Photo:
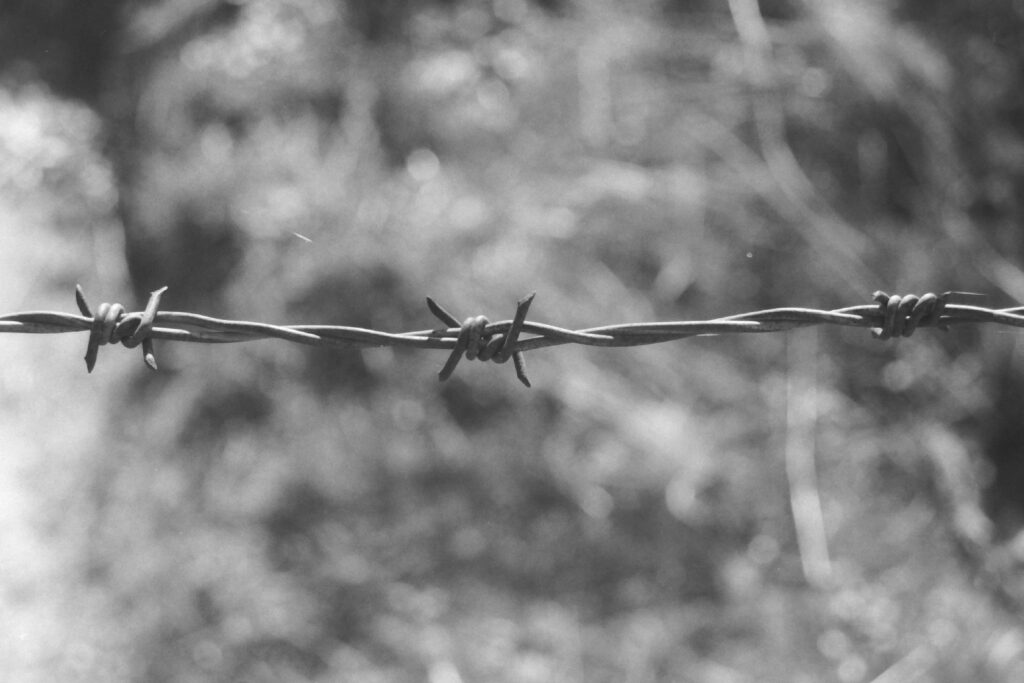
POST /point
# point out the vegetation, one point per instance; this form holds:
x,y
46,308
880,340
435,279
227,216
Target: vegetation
x,y
809,506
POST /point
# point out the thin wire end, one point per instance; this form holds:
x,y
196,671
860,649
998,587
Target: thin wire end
x,y
80,300
148,356
519,360
441,313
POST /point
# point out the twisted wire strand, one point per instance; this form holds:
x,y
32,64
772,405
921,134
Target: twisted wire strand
x,y
476,338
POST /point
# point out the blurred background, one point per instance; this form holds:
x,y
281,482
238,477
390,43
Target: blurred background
x,y
810,506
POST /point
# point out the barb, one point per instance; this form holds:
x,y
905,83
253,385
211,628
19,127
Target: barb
x,y
476,342
478,338
112,324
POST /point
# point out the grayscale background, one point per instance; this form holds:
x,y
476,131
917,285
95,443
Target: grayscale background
x,y
806,506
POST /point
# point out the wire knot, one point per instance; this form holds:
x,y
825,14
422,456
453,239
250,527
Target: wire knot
x,y
479,340
112,324
902,315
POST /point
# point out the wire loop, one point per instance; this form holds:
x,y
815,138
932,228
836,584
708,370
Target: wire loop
x,y
902,315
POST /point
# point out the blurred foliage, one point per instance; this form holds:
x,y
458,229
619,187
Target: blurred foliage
x,y
810,506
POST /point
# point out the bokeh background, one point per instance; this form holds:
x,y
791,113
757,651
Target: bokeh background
x,y
809,506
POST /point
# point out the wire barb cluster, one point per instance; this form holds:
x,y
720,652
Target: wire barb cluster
x,y
476,338
476,342
113,324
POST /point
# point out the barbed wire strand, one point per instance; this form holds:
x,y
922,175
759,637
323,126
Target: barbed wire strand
x,y
476,338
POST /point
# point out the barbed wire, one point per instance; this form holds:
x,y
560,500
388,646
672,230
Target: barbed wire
x,y
477,338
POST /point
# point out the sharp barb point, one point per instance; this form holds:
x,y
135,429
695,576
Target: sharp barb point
x,y
441,313
520,362
80,300
148,356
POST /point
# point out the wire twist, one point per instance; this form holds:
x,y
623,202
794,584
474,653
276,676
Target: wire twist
x,y
476,338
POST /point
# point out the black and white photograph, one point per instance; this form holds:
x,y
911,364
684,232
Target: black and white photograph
x,y
511,341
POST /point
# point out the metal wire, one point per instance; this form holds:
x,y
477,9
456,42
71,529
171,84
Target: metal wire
x,y
478,338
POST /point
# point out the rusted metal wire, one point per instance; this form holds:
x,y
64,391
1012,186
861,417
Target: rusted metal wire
x,y
478,338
